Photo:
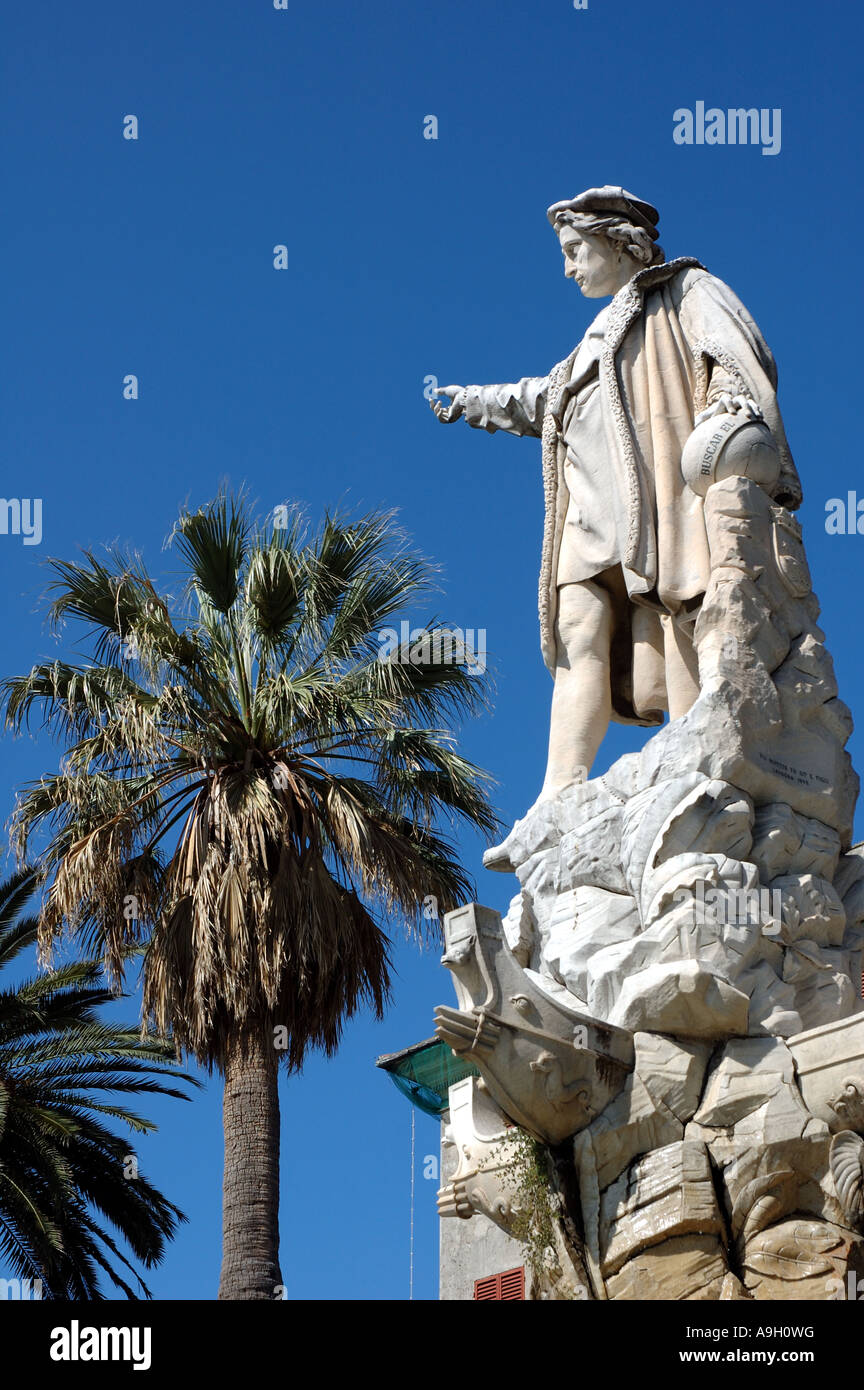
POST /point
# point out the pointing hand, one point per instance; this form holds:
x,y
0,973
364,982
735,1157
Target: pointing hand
x,y
448,413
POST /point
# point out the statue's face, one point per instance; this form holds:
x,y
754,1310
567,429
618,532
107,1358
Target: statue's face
x,y
594,263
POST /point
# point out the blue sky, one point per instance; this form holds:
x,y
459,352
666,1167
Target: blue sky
x,y
406,257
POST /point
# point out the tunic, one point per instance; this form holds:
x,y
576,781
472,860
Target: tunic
x,y
589,543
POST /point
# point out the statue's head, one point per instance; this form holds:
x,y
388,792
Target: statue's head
x,y
606,235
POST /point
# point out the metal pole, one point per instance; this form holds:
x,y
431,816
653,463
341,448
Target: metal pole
x,y
411,1240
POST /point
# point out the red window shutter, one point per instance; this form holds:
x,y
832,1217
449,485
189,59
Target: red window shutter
x,y
513,1284
501,1287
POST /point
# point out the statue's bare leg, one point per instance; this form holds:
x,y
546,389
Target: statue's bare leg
x,y
582,699
682,668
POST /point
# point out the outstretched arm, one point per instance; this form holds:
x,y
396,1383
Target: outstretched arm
x,y
517,407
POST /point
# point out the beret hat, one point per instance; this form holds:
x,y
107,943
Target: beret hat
x,y
610,199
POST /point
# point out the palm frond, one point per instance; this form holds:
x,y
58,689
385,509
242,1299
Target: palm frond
x,y
256,786
63,1073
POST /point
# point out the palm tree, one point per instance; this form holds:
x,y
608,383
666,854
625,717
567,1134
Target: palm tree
x,y
61,1072
252,790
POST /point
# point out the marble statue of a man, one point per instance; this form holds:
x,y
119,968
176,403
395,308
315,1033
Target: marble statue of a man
x,y
625,555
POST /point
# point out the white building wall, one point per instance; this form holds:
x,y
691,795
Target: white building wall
x,y
470,1249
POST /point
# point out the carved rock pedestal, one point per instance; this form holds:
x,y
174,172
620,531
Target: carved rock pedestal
x,y
675,991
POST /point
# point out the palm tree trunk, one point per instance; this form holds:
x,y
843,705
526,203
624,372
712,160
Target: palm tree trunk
x,y
250,1190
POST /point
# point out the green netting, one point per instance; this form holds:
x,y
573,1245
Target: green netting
x,y
424,1073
